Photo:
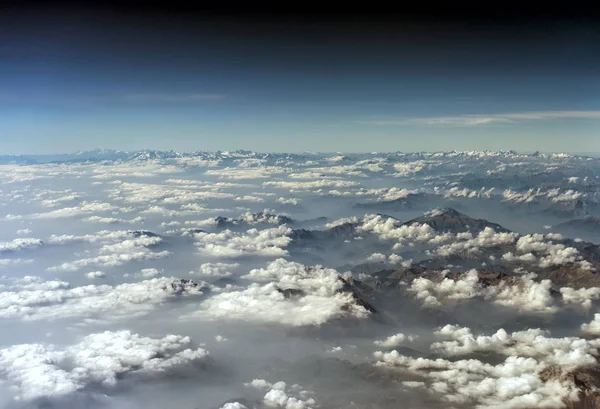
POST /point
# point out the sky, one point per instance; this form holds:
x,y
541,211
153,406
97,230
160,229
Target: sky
x,y
130,76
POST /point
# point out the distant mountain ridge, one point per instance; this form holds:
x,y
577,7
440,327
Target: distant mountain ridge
x,y
448,219
100,154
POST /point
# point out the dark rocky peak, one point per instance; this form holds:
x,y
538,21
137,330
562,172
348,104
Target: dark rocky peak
x,y
140,233
449,219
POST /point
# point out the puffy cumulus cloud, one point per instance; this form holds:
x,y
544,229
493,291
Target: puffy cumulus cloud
x,y
20,244
58,200
23,232
19,173
528,257
430,292
568,352
115,252
100,301
388,228
513,384
407,169
531,195
394,340
522,197
532,375
109,260
130,244
148,273
467,244
92,275
266,216
280,395
233,405
114,220
103,236
156,193
526,295
387,194
38,283
583,296
37,371
288,200
523,293
377,258
566,196
67,212
550,253
316,184
267,242
464,192
593,327
249,198
217,270
294,294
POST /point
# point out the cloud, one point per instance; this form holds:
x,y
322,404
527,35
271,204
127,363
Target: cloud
x,y
593,327
216,270
294,295
532,375
267,242
524,294
317,184
279,395
114,220
45,371
483,119
19,244
67,212
394,340
51,301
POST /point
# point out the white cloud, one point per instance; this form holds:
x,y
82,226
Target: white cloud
x,y
67,212
525,294
294,295
393,341
215,270
376,258
475,120
279,395
95,274
45,371
288,201
522,381
593,327
121,301
114,220
317,184
19,244
268,242
233,405
114,252
388,228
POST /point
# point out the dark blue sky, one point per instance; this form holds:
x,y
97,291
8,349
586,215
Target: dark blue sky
x,y
179,78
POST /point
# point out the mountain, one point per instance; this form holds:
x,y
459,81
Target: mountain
x,y
573,208
449,219
253,218
588,223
